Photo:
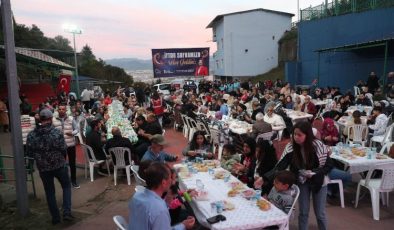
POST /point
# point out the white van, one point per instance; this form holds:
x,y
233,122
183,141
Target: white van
x,y
163,88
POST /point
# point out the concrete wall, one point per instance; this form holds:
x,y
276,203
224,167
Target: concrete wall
x,y
344,69
250,42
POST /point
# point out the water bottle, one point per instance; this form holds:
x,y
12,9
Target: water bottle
x,y
187,197
369,154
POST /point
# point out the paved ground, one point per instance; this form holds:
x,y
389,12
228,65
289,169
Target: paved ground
x,y
95,203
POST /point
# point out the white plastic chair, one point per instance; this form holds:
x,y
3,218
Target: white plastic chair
x,y
386,148
185,129
109,159
381,139
119,153
359,134
356,91
376,186
215,139
265,136
91,161
192,127
138,179
289,214
120,222
340,185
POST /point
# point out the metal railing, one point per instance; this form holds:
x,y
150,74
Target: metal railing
x,y
340,7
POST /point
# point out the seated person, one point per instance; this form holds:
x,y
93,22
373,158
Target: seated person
x,y
155,151
379,127
356,120
147,209
330,133
94,140
274,119
363,100
118,141
308,106
260,126
145,132
229,157
245,169
282,195
198,147
266,161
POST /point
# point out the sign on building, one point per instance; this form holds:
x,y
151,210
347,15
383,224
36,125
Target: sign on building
x,y
180,62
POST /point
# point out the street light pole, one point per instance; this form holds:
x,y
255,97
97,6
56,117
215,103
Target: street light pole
x,y
76,66
74,30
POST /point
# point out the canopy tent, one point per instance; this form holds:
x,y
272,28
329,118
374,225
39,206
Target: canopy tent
x,y
384,43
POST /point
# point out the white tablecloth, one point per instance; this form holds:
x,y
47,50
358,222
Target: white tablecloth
x,y
320,102
360,164
367,109
297,115
244,216
239,127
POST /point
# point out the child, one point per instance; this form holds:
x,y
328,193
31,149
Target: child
x,y
283,193
229,157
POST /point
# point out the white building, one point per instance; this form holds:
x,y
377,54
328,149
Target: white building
x,y
247,41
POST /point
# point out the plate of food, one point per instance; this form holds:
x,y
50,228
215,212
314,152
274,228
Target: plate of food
x,y
381,156
220,174
361,152
236,185
228,206
263,204
233,193
249,193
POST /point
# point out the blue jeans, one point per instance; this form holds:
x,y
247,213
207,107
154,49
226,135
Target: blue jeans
x,y
319,206
61,174
336,174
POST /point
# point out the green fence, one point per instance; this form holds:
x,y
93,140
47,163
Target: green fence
x,y
340,7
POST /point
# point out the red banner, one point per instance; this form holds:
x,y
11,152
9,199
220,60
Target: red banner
x,y
64,83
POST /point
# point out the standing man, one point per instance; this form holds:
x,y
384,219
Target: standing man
x,y
70,130
147,209
47,146
85,98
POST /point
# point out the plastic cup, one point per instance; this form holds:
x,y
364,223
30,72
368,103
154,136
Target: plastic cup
x,y
258,194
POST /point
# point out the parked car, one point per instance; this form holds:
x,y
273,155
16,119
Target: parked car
x,y
163,88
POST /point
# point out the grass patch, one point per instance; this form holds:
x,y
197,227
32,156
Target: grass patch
x,y
275,73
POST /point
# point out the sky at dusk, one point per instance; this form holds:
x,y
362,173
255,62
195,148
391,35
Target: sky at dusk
x,y
130,28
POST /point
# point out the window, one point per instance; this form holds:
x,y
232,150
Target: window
x,y
165,87
217,64
222,44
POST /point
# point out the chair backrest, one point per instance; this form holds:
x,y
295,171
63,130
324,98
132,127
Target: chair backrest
x,y
88,153
386,148
296,195
119,153
138,179
356,91
265,136
387,181
120,222
388,134
192,122
214,135
336,98
183,117
358,132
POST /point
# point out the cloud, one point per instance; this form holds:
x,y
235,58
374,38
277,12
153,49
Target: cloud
x,y
123,28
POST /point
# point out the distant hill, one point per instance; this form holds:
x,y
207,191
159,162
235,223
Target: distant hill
x,y
130,63
140,64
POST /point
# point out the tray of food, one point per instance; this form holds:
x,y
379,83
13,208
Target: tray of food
x,y
263,204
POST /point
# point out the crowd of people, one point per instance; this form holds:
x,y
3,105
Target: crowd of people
x,y
67,121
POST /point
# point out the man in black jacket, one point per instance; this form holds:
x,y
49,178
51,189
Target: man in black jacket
x,y
94,140
118,141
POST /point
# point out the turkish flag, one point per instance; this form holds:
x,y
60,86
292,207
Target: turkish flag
x,y
64,83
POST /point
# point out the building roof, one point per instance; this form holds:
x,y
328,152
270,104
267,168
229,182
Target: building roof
x,y
356,46
39,56
221,16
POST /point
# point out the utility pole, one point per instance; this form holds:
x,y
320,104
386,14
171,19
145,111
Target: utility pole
x,y
13,95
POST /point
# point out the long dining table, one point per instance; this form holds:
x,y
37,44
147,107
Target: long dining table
x,y
245,215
